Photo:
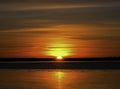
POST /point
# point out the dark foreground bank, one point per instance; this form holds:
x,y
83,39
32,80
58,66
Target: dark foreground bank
x,y
65,59
62,65
70,63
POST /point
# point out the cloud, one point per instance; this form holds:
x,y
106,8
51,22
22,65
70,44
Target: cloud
x,y
54,4
57,1
103,32
11,24
94,37
28,14
46,18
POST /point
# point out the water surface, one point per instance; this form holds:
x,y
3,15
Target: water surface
x,y
59,79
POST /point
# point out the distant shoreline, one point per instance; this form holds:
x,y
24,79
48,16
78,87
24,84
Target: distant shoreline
x,y
65,59
67,63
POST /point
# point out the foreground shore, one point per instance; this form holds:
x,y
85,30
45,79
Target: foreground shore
x,y
70,63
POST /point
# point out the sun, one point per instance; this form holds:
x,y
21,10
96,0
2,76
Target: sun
x,y
59,58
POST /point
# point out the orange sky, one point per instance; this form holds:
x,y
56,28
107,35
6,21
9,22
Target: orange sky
x,y
68,28
64,40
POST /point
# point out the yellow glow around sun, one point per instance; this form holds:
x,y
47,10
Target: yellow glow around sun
x,y
58,48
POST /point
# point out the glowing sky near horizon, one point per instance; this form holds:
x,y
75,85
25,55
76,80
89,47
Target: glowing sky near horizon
x,y
68,28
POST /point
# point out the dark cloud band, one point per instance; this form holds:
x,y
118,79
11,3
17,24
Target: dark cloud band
x,y
57,1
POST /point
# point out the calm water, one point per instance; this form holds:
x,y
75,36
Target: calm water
x,y
59,79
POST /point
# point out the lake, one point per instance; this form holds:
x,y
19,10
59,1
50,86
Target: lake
x,y
59,79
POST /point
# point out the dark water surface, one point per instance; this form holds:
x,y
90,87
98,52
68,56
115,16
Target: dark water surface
x,y
60,65
59,79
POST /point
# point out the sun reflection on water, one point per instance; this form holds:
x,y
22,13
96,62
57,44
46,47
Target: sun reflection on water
x,y
59,77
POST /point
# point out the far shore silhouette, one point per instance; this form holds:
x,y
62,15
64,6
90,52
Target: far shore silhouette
x,y
67,63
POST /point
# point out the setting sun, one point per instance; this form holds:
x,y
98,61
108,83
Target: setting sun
x,y
59,58
58,48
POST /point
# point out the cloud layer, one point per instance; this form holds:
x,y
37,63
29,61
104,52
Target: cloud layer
x,y
45,17
29,14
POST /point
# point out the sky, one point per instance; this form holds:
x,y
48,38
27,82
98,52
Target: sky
x,y
51,28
